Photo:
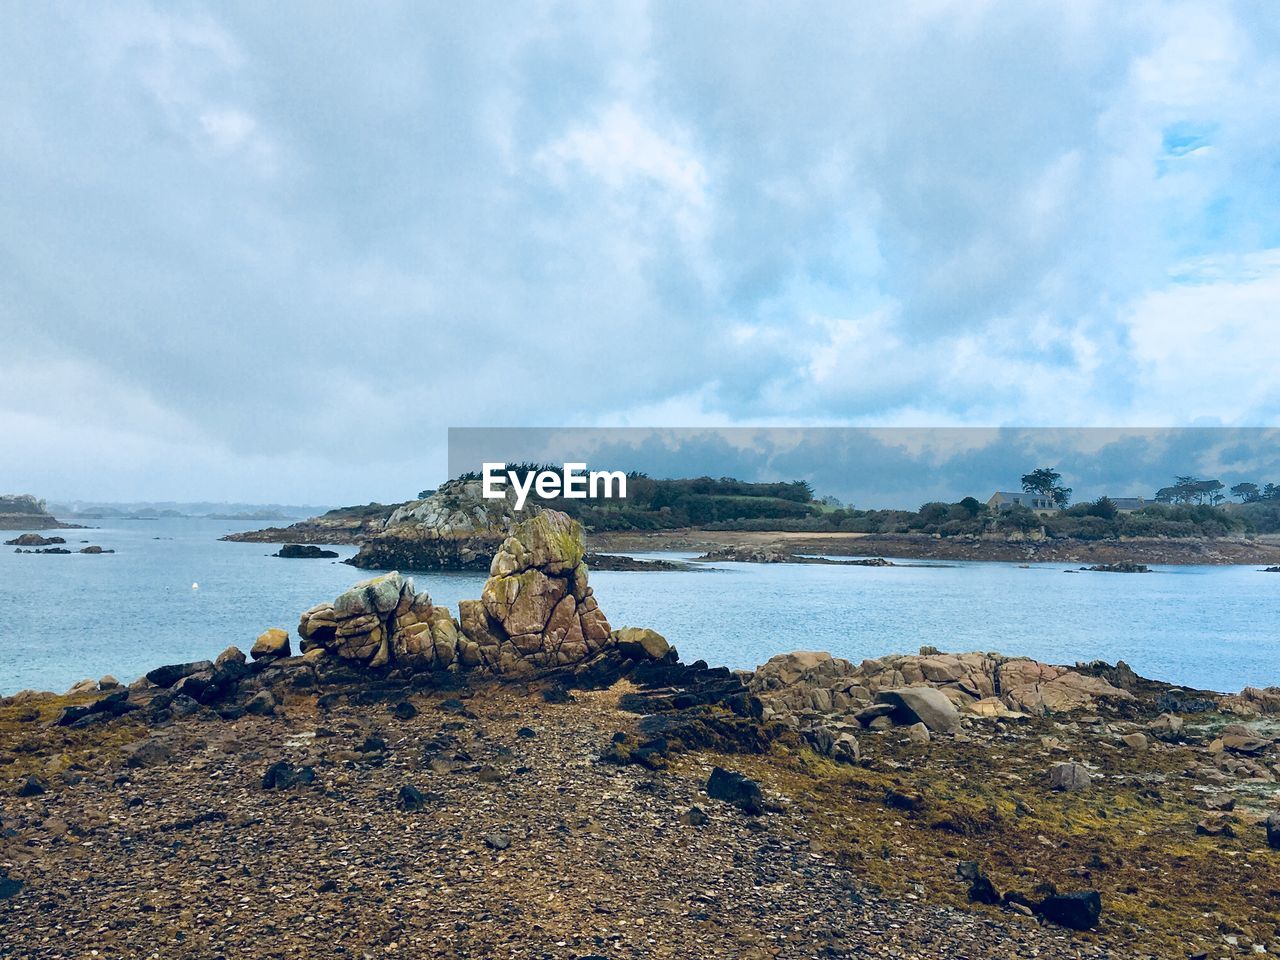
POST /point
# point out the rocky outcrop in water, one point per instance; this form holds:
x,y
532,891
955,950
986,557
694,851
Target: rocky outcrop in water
x,y
33,540
299,551
455,528
536,612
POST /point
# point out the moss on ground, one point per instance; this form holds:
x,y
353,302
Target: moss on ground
x,y
911,812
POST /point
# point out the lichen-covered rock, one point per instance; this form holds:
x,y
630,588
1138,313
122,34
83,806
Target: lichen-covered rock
x,y
271,645
981,684
536,612
455,528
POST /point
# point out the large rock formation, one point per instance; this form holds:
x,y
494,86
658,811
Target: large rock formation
x,y
536,612
795,685
455,528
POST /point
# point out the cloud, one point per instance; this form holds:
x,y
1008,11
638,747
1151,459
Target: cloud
x,y
319,238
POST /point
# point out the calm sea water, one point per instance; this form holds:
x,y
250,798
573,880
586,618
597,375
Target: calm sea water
x,y
64,618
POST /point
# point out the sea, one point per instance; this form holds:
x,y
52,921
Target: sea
x,y
173,592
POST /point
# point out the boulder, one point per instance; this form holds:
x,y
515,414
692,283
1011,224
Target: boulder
x,y
1079,911
536,612
641,643
922,705
734,788
300,551
1272,824
271,645
170,674
1069,777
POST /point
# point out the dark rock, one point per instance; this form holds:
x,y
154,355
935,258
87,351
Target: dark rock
x,y
527,733
70,715
298,551
283,776
557,694
183,706
33,540
33,786
262,704
373,745
1272,823
404,710
1079,910
8,886
170,674
734,788
1124,566
899,800
329,886
982,890
95,550
411,799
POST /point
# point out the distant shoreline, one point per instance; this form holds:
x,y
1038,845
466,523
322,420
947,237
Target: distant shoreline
x,y
1188,551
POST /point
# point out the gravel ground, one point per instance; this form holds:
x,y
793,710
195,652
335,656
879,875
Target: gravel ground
x,y
525,845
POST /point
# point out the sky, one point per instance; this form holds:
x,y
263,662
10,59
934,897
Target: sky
x,y
271,252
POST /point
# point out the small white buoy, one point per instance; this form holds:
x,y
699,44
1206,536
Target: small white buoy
x,y
195,586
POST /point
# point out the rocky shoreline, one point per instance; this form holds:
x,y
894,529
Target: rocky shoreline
x,y
1159,551
523,778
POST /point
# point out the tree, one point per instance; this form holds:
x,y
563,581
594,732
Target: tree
x,y
1047,482
973,506
1247,492
1103,507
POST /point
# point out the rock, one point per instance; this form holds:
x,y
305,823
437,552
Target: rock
x,y
918,733
694,817
454,528
1218,825
404,710
1124,566
982,890
33,786
734,788
82,687
496,841
411,799
284,776
8,886
1078,911
170,674
109,683
262,704
1272,824
641,643
1069,777
94,550
230,655
922,705
526,733
147,753
271,645
297,551
1135,741
33,540
1167,727
1244,744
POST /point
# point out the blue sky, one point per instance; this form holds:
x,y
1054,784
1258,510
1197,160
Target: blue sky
x,y
271,252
